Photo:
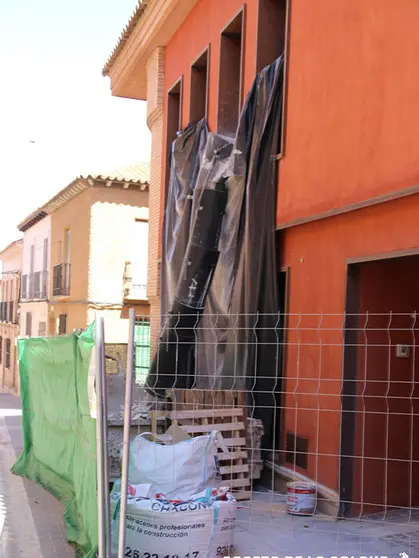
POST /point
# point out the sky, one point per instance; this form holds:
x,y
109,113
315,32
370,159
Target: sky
x,y
57,116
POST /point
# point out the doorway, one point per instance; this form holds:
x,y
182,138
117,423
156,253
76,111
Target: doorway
x,y
278,441
379,463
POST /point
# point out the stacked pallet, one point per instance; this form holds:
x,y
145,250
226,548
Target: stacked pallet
x,y
201,411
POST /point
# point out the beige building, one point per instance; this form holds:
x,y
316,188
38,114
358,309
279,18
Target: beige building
x,y
10,262
97,259
36,231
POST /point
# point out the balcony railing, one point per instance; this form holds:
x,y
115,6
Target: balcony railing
x,y
61,280
35,286
133,287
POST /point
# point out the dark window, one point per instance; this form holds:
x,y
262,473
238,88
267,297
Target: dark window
x,y
199,88
272,25
24,286
31,267
28,330
11,312
44,279
62,324
42,329
57,279
272,42
1,349
296,450
174,122
230,85
7,351
36,284
61,280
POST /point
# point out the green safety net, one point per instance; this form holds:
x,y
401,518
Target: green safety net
x,y
59,435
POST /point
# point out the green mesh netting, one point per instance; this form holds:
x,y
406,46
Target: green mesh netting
x,y
59,435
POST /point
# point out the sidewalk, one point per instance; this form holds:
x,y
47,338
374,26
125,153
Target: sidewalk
x,y
31,520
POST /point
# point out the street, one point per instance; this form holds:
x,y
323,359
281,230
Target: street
x,y
31,520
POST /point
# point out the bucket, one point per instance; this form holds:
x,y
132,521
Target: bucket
x,y
301,498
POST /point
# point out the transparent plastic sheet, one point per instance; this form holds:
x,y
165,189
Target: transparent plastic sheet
x,y
59,435
244,280
185,162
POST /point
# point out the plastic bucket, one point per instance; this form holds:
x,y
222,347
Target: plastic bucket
x,y
301,498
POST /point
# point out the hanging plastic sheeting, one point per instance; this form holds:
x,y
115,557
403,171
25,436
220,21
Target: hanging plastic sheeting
x,y
185,162
189,255
244,281
255,288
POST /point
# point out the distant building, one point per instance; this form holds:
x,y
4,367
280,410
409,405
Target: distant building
x,y
96,261
35,274
11,262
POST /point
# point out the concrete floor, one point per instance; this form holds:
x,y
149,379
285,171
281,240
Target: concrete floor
x,y
264,528
31,520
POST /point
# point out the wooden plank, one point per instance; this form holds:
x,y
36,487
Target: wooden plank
x,y
234,469
231,456
207,413
233,442
228,427
237,483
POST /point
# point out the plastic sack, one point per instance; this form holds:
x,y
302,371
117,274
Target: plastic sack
x,y
176,470
201,527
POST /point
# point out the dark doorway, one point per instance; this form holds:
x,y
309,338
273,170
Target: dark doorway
x,y
278,441
379,463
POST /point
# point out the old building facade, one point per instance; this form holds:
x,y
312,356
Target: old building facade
x,y
10,285
89,244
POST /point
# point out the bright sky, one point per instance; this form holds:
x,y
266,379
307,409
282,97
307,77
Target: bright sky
x,y
52,93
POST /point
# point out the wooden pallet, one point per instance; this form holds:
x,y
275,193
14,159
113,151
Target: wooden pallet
x,y
201,411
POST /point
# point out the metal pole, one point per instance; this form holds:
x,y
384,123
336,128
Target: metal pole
x,y
99,439
127,427
105,445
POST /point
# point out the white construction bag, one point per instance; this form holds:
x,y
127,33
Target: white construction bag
x,y
176,470
202,527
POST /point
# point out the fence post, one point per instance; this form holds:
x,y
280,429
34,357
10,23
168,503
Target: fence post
x,y
104,519
127,427
99,441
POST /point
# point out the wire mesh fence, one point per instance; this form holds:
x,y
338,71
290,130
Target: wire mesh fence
x,y
319,413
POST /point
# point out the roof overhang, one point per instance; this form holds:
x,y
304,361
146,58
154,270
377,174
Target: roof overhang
x,y
75,188
14,246
157,23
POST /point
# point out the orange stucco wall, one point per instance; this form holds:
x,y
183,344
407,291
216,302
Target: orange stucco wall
x,y
352,85
203,26
352,111
316,254
351,125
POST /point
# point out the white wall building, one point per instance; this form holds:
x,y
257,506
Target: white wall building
x,y
35,274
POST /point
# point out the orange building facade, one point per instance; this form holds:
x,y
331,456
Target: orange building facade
x,y
347,206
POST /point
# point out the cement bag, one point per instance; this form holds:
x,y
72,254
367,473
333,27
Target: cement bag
x,y
176,470
202,527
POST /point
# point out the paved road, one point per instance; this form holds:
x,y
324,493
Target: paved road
x,y
31,520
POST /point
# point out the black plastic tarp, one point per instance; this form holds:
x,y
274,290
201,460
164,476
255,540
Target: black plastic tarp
x,y
219,238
